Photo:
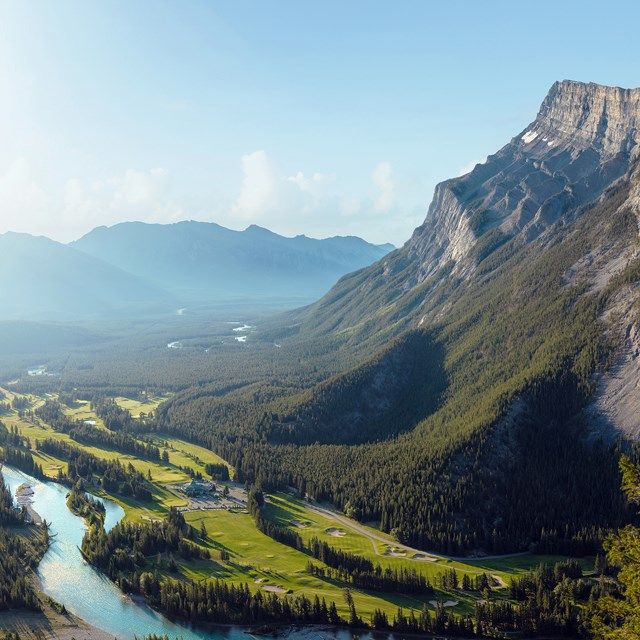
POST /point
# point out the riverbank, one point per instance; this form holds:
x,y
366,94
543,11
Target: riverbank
x,y
49,625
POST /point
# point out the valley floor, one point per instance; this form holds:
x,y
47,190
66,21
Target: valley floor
x,y
241,554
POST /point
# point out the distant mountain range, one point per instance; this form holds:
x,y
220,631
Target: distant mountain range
x,y
43,279
193,260
136,268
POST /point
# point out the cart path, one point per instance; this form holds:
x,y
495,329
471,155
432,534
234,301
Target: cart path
x,y
373,536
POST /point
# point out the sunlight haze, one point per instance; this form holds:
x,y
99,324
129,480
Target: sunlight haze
x,y
338,119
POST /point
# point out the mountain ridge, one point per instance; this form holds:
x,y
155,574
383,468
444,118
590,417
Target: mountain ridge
x,y
202,258
511,286
513,197
45,279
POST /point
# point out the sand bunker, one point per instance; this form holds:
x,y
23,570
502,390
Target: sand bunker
x,y
423,557
260,580
299,524
499,580
394,552
446,603
336,533
274,588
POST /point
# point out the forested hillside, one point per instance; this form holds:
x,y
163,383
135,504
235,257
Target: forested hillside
x,y
21,548
516,319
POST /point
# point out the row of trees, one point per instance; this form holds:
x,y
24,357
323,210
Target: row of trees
x,y
83,505
53,414
111,475
118,441
114,417
125,548
343,566
18,556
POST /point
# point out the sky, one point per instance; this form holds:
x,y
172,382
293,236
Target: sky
x,y
323,118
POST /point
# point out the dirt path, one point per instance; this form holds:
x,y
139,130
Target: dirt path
x,y
371,535
374,537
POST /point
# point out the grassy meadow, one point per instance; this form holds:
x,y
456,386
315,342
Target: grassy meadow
x,y
253,557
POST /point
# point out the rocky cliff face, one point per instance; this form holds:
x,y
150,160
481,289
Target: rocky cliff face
x,y
583,140
580,142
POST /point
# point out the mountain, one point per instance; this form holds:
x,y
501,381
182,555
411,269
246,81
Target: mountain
x,y
197,260
481,375
583,139
43,279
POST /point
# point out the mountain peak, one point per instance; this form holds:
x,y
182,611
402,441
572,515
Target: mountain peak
x,y
580,115
580,143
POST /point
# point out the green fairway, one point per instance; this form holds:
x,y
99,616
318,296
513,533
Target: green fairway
x,y
257,559
186,454
82,411
136,407
261,562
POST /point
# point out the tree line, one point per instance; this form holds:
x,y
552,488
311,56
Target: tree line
x,y
111,475
19,554
52,413
123,550
343,565
85,506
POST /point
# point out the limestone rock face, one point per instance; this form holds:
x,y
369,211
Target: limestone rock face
x,y
581,141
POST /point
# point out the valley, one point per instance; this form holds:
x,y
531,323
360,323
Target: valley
x,y
241,553
436,445
319,321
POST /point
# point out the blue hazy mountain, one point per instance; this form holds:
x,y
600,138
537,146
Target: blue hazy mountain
x,y
44,279
203,261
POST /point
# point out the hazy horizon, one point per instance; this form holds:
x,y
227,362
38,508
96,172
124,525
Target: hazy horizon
x,y
191,220
314,122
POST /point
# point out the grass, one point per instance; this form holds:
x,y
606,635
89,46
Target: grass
x,y
185,454
82,411
253,555
285,508
35,429
136,407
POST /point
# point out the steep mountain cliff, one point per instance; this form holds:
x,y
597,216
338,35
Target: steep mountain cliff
x,y
578,145
581,142
520,296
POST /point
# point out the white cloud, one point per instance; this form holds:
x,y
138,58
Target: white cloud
x,y
259,187
315,203
315,185
30,204
138,190
382,177
22,196
133,195
268,196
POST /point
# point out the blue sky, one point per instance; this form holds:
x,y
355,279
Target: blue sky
x,y
321,118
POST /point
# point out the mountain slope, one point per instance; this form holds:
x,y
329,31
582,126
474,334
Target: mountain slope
x,y
43,279
581,142
196,259
517,279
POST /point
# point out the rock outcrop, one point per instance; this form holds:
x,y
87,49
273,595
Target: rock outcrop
x,y
579,144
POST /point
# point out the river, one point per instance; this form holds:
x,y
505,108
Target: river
x,y
70,580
